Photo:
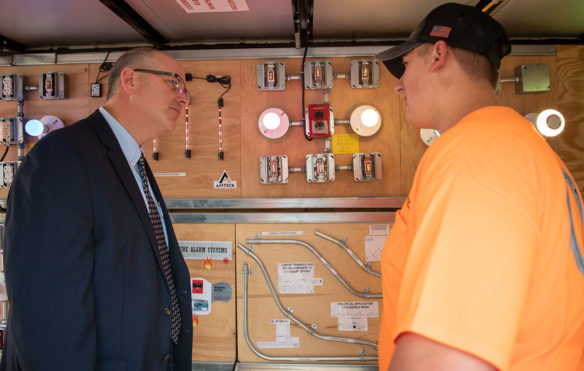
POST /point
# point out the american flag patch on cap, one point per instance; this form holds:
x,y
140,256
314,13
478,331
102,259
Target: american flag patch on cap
x,y
441,31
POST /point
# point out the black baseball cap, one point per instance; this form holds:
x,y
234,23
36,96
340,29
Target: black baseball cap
x,y
461,26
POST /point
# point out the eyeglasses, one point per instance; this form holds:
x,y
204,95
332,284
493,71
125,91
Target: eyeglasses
x,y
177,84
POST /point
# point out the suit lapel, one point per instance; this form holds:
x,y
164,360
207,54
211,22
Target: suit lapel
x,y
120,164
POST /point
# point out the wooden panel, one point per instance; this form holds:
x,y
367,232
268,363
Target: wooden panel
x,y
214,335
570,93
398,142
309,308
203,168
343,99
75,106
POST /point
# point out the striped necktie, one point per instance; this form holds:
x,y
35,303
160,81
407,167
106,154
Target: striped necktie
x,y
162,250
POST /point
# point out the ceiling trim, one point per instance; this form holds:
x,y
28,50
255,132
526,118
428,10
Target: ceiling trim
x,y
134,20
6,43
31,59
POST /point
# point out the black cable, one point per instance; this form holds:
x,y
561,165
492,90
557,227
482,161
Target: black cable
x,y
104,67
5,152
225,82
304,118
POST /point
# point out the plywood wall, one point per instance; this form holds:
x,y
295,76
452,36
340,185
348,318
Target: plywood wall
x,y
398,142
309,308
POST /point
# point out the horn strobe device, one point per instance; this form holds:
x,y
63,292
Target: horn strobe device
x,y
318,75
364,74
274,169
271,76
12,86
11,131
7,173
320,167
52,85
320,121
367,166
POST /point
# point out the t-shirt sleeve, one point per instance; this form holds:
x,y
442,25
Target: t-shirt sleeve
x,y
468,271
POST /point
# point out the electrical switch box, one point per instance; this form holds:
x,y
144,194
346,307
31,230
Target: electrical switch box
x,y
271,76
7,173
52,85
274,169
318,75
364,74
367,166
11,131
320,122
12,86
320,167
532,78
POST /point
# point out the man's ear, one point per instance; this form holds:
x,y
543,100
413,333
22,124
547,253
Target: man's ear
x,y
439,54
127,80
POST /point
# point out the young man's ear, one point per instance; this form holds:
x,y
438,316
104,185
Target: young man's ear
x,y
439,53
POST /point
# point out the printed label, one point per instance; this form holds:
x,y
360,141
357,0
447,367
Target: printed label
x,y
296,278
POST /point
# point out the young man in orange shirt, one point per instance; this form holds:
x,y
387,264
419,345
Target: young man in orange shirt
x,y
483,269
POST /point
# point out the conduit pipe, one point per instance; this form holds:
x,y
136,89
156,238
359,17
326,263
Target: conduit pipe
x,y
365,294
245,271
344,246
288,313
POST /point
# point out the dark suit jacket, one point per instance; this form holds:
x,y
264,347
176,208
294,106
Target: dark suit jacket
x,y
84,284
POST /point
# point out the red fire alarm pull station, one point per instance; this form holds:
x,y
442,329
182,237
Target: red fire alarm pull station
x,y
320,121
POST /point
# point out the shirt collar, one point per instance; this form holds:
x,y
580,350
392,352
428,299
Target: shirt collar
x,y
132,151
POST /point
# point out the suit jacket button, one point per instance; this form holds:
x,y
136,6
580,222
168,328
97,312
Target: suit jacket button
x,y
167,311
166,357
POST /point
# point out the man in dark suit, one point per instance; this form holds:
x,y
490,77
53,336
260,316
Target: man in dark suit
x,y
86,259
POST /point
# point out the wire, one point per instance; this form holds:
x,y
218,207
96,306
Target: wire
x,y
225,82
104,67
5,152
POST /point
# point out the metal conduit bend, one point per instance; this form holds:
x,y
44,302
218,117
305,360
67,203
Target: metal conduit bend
x,y
344,246
289,315
275,358
365,295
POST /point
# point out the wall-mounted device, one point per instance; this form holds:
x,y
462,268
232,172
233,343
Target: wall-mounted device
x,y
12,86
320,167
271,76
11,130
365,120
549,122
40,128
367,166
318,74
320,122
52,85
7,173
364,74
528,78
273,123
429,135
274,169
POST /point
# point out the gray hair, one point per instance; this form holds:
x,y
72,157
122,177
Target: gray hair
x,y
134,58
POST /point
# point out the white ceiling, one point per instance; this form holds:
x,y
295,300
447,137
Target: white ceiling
x,y
49,24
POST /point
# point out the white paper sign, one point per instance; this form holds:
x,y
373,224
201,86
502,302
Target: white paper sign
x,y
282,233
296,278
353,324
283,339
352,315
207,6
215,250
373,247
355,309
379,229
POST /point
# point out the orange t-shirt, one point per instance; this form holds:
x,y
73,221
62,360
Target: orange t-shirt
x,y
483,256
